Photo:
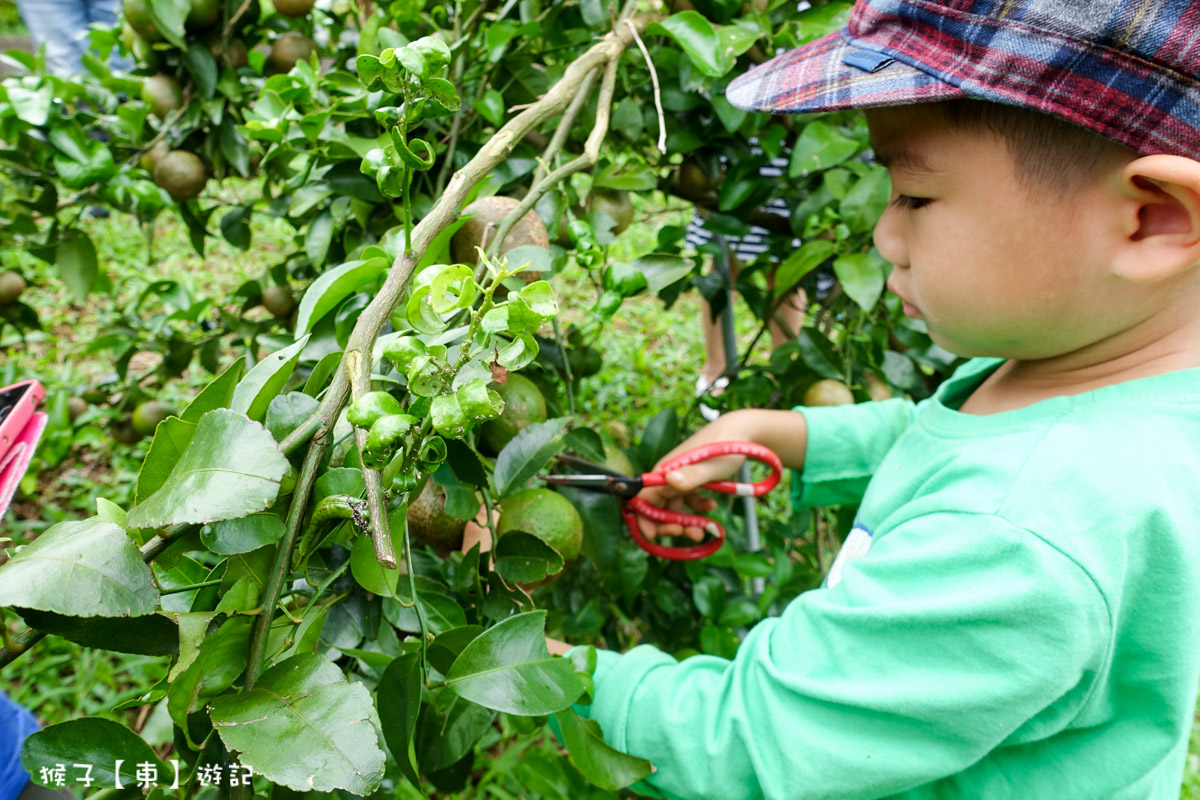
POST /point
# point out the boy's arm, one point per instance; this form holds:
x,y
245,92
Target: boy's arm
x,y
952,633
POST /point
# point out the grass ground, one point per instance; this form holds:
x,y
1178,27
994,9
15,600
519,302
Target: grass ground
x,y
652,357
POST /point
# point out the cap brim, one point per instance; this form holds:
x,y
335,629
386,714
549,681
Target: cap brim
x,y
816,77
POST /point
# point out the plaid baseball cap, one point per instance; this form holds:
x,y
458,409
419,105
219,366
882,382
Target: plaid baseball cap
x,y
1126,69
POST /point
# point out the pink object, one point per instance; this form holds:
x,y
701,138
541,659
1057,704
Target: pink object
x,y
15,461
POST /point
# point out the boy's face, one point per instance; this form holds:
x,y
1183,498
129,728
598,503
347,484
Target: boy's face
x,y
994,268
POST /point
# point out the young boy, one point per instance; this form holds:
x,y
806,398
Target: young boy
x,y
1015,613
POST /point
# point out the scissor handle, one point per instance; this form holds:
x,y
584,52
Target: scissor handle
x,y
690,553
751,450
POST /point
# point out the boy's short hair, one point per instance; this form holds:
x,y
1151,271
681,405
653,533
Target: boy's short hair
x,y
1051,157
1122,69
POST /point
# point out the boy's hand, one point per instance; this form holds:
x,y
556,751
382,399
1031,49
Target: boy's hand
x,y
682,483
784,432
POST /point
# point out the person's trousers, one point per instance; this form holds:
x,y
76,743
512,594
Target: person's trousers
x,y
62,26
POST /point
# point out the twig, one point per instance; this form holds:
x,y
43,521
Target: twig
x,y
283,561
591,154
662,120
564,127
558,339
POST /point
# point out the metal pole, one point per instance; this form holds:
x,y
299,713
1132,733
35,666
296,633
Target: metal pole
x,y
749,508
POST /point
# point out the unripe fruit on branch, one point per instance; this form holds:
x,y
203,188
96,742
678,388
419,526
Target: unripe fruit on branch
x,y
290,48
12,286
182,174
163,94
828,393
529,230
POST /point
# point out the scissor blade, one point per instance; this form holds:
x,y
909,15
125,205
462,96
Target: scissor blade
x,y
623,486
588,466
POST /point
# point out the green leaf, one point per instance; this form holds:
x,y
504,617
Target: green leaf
x,y
862,276
318,239
366,569
171,439
231,468
698,39
661,270
334,286
32,106
221,660
453,288
802,261
266,380
447,417
168,16
200,62
286,412
818,353
100,743
821,146
865,203
329,724
86,568
527,453
441,612
399,699
523,558
77,264
491,107
235,226
218,394
244,534
602,765
151,635
508,668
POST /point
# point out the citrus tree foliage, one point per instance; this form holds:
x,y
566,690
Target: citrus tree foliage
x,y
268,550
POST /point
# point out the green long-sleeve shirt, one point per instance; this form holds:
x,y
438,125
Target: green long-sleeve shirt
x,y
1016,614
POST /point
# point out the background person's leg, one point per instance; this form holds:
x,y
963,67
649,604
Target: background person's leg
x,y
106,12
61,25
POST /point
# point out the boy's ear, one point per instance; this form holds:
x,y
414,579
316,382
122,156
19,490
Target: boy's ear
x,y
1160,218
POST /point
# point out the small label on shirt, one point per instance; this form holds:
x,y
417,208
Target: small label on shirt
x,y
856,546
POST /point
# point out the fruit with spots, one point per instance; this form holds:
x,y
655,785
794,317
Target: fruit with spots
x,y
547,515
428,521
488,211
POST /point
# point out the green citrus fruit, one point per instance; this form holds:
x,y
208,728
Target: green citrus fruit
x,y
616,204
694,183
203,13
428,521
828,393
585,362
877,387
293,8
151,157
290,48
12,286
547,515
182,174
147,415
137,14
529,230
76,406
523,405
122,432
163,94
616,460
279,301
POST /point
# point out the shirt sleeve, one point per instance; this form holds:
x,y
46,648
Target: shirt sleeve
x,y
947,637
16,724
845,446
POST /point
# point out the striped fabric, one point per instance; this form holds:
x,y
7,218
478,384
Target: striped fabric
x,y
1126,69
749,247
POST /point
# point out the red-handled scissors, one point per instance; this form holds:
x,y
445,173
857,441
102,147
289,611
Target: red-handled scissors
x,y
626,486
